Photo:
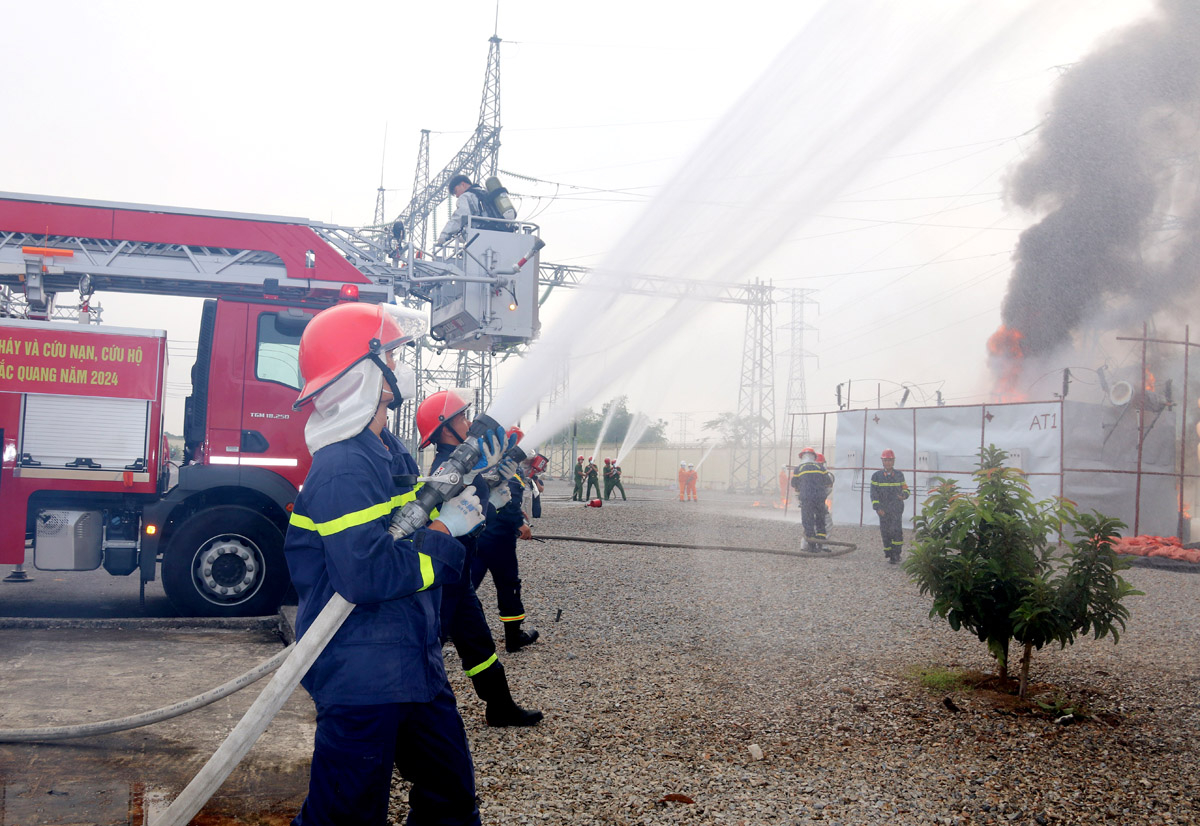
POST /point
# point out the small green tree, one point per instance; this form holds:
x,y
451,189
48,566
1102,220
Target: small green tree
x,y
987,559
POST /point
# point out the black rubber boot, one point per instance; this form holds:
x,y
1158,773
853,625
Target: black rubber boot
x,y
491,685
515,639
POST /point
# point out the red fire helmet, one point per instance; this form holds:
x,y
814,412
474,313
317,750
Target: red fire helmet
x,y
581,458
821,458
888,454
811,450
608,461
339,338
437,409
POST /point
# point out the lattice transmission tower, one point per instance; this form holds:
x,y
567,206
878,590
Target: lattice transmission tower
x,y
752,465
796,404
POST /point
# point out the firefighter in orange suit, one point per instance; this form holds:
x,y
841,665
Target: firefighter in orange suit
x,y
690,482
784,478
682,475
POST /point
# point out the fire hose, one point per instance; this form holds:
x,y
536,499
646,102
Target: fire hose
x,y
449,480
844,547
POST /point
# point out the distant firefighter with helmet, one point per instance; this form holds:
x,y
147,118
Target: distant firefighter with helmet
x,y
577,493
379,685
689,483
592,474
888,492
442,421
811,483
683,477
615,482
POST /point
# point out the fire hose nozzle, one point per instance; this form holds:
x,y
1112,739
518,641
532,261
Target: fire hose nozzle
x,y
448,482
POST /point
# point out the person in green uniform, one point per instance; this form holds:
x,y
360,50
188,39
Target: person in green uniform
x,y
615,483
577,493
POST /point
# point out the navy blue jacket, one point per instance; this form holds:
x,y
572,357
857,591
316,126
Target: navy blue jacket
x,y
811,482
506,521
388,650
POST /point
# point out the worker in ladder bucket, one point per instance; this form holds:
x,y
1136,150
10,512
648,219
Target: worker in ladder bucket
x,y
475,201
379,685
592,473
497,553
810,483
888,492
577,493
442,421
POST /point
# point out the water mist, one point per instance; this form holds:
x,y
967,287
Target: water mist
x,y
802,134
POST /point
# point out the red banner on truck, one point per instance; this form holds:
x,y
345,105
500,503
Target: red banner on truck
x,y
49,358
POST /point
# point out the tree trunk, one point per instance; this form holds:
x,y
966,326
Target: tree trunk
x,y
1003,661
1025,669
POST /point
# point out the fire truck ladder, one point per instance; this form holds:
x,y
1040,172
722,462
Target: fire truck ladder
x,y
65,245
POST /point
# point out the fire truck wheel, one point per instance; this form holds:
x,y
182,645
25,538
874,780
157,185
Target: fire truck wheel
x,y
225,561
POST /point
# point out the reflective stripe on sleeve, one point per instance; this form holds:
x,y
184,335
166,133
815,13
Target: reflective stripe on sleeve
x,y
354,519
513,619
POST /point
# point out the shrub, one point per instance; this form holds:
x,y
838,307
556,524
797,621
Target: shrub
x,y
987,559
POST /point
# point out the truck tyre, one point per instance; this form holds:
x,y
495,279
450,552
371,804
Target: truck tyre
x,y
225,561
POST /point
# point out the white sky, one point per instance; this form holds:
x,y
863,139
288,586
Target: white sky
x,y
281,109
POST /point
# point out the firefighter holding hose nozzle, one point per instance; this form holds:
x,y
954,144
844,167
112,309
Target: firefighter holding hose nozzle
x,y
379,686
442,421
810,482
497,546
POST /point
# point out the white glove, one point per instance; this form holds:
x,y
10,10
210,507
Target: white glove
x,y
501,496
461,514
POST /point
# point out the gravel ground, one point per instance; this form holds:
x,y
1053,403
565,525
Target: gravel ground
x,y
705,687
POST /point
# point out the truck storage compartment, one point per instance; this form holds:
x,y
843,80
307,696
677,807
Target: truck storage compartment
x,y
62,431
67,540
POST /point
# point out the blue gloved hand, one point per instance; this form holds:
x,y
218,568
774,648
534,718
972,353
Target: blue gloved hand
x,y
491,449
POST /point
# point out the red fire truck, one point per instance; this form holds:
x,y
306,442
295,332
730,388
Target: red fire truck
x,y
86,480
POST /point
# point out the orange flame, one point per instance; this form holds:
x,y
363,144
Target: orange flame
x,y
1007,361
1149,381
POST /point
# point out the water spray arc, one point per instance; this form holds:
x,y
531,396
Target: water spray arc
x,y
633,434
728,209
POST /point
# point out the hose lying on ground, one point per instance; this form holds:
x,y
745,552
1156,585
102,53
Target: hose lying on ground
x,y
39,735
845,547
256,719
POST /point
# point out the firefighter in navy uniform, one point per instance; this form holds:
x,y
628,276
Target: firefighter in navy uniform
x,y
379,685
810,482
497,552
442,420
888,492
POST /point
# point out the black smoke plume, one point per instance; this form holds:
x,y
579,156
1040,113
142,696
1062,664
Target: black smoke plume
x,y
1114,172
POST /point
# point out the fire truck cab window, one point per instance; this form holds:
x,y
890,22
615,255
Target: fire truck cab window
x,y
276,352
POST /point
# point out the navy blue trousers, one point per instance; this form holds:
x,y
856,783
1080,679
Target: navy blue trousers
x,y
354,751
497,552
812,515
463,620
